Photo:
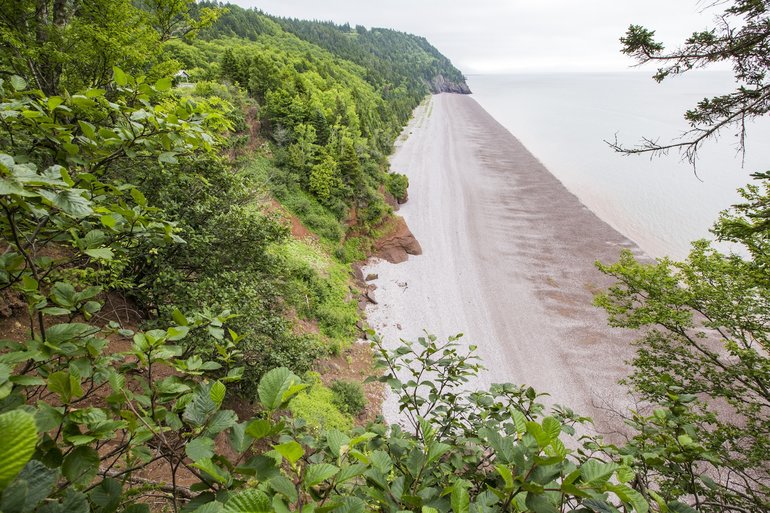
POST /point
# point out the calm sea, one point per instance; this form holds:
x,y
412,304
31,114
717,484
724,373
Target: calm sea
x,y
661,204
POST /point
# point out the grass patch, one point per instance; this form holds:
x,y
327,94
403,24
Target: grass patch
x,y
316,406
320,291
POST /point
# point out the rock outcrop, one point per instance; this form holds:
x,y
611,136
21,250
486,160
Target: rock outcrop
x,y
440,84
398,243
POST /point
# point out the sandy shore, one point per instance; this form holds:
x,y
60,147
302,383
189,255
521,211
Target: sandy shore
x,y
508,260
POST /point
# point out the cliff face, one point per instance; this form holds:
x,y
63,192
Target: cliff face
x,y
440,84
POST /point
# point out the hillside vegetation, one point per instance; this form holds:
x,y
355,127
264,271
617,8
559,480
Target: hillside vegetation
x,y
175,259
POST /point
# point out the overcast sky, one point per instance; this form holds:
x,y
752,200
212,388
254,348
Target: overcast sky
x,y
487,36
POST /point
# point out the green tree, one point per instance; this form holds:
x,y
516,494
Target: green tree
x,y
59,44
740,38
324,179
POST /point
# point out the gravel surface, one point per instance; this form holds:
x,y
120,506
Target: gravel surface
x,y
508,260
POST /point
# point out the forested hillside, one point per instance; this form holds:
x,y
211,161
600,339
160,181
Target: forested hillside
x,y
183,189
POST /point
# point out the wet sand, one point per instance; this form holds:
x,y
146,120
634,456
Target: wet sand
x,y
508,260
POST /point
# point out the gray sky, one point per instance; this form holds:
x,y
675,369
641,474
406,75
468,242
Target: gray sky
x,y
486,36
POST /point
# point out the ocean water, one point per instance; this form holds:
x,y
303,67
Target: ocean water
x,y
661,203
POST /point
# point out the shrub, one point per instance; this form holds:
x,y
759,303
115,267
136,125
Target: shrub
x,y
349,396
318,409
397,184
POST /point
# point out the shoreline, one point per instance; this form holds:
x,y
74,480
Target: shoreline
x,y
507,260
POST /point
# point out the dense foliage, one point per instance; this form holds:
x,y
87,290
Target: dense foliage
x,y
121,185
704,321
740,38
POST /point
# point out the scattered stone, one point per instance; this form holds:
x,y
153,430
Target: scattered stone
x,y
372,276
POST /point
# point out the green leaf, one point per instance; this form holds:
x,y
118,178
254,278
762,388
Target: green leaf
x,y
224,419
66,385
87,129
248,501
175,333
81,465
107,495
169,157
292,451
593,471
164,84
67,332
273,385
318,473
460,499
99,253
211,469
258,428
119,76
70,201
200,408
18,83
336,440
284,486
17,443
211,507
552,428
507,476
239,440
540,504
40,481
217,392
200,448
138,197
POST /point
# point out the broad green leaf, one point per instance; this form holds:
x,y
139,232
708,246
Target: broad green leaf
x,y
169,157
540,504
17,443
336,440
200,408
239,440
70,201
18,83
81,465
119,76
66,385
593,471
248,501
164,84
211,469
100,253
273,385
14,497
40,481
107,495
350,472
283,485
292,451
217,392
460,499
625,474
221,420
630,496
199,449
552,428
67,332
258,428
175,333
318,473
436,450
211,507
507,476
352,505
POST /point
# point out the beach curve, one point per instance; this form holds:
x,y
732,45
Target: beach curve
x,y
508,260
